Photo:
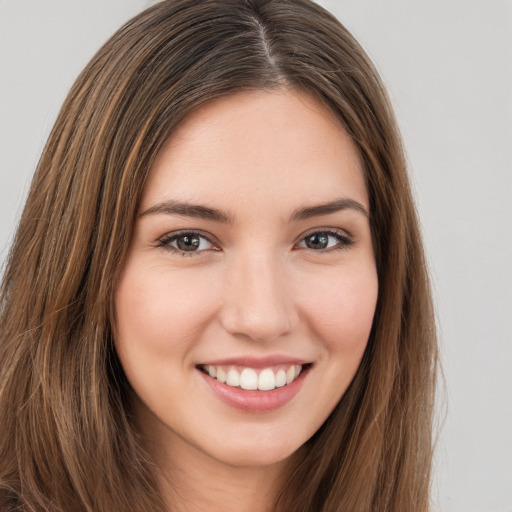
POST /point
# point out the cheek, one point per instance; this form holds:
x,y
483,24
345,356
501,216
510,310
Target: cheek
x,y
341,310
160,309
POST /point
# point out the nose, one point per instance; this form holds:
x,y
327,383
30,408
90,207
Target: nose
x,y
258,302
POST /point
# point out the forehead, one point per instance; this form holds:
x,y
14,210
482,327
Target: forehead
x,y
280,145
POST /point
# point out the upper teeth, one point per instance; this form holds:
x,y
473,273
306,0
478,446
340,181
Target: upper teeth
x,y
248,378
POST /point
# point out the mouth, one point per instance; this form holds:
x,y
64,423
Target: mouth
x,y
253,386
252,379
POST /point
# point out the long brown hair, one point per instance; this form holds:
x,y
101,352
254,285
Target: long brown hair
x,y
67,441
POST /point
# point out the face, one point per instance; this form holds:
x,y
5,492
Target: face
x,y
248,294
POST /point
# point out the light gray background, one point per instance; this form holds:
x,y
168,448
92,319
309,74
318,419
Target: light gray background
x,y
448,67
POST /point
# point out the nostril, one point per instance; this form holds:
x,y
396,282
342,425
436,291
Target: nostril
x,y
257,303
258,326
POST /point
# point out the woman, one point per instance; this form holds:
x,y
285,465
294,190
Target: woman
x,y
217,296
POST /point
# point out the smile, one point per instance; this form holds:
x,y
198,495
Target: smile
x,y
265,379
255,385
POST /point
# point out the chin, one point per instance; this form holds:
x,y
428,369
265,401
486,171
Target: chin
x,y
254,456
257,450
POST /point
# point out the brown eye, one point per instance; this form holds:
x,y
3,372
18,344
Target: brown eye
x,y
188,242
317,241
325,241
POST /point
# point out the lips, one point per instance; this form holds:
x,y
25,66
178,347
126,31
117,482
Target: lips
x,y
265,379
255,385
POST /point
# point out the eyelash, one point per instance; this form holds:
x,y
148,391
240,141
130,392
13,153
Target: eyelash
x,y
166,240
344,241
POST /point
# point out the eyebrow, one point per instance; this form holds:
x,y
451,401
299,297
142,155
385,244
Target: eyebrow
x,y
337,205
171,207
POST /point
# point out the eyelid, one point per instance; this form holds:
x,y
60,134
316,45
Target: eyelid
x,y
346,238
164,241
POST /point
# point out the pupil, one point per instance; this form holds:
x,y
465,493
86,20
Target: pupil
x,y
317,241
188,242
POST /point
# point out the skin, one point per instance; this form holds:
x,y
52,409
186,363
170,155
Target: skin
x,y
255,287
